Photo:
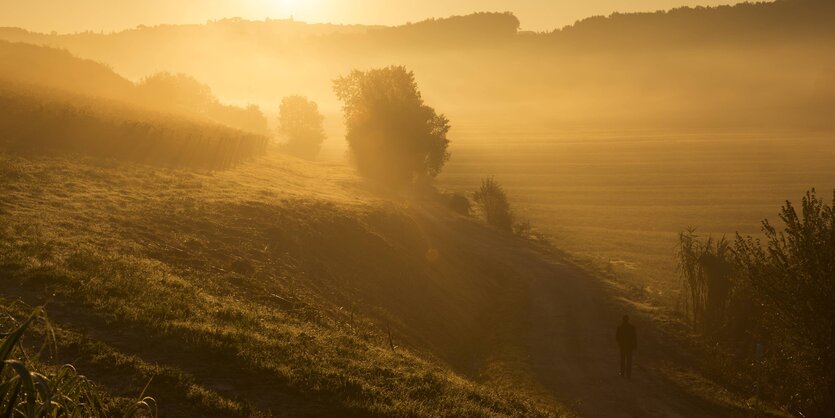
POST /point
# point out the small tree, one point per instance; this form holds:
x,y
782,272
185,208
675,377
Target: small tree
x,y
794,276
300,125
394,138
493,203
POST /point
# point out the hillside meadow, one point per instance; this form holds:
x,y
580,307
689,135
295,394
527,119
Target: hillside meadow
x,y
278,288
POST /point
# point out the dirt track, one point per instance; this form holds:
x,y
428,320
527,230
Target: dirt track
x,y
571,349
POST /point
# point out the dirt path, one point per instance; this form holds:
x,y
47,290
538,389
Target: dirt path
x,y
572,317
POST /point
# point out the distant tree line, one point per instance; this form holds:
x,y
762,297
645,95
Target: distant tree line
x,y
485,29
771,304
740,24
183,94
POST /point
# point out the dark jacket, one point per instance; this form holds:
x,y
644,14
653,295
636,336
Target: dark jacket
x,y
626,337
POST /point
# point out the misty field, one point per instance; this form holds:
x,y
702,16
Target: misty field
x,y
619,199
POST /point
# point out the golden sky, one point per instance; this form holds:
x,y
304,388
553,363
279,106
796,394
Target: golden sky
x,y
109,15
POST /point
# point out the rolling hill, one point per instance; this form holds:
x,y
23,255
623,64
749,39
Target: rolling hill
x,y
177,94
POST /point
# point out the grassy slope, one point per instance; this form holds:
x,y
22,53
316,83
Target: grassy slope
x,y
269,289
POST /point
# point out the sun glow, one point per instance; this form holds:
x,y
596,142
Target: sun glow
x,y
304,9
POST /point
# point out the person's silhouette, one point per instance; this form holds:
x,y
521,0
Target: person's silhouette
x,y
627,341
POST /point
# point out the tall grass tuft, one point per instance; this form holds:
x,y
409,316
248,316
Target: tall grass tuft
x,y
707,270
28,393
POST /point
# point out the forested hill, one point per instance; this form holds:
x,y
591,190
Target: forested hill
x,y
781,20
745,24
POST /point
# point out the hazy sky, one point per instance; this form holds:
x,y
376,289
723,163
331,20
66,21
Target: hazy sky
x,y
108,15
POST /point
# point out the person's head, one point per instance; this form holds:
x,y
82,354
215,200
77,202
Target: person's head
x,y
626,319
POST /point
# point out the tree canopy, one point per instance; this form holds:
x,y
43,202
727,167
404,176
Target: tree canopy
x,y
300,125
393,136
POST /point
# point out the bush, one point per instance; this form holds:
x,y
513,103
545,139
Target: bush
x,y
494,206
460,204
394,138
300,125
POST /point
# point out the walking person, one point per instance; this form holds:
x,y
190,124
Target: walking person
x,y
627,341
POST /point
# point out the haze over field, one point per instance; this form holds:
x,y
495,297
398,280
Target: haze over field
x,y
95,15
458,208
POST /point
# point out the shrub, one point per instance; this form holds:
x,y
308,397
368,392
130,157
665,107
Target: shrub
x,y
460,204
492,201
394,138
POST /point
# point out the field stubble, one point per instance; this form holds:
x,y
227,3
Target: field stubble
x,y
619,199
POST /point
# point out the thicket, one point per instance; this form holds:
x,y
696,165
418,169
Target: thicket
x,y
41,120
769,305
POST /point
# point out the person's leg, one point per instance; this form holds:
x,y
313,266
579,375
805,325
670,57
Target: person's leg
x,y
623,362
628,363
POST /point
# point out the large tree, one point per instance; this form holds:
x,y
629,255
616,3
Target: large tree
x,y
300,125
393,136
